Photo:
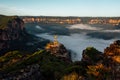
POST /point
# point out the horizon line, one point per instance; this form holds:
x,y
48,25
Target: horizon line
x,y
57,16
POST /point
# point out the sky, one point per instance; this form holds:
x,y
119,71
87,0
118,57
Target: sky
x,y
85,8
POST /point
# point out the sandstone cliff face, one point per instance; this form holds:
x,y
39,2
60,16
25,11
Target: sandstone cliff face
x,y
13,30
112,57
58,50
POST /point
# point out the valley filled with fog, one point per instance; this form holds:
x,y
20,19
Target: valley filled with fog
x,y
77,37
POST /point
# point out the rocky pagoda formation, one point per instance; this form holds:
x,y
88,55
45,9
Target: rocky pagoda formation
x,y
57,49
112,59
11,30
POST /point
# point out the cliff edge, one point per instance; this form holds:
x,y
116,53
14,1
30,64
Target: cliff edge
x,y
12,31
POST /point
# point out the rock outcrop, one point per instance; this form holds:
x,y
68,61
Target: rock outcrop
x,y
112,59
58,49
91,56
11,30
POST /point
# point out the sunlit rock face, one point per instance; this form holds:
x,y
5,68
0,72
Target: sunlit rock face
x,y
57,49
112,54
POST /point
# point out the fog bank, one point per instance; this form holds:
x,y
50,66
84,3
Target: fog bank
x,y
83,27
78,42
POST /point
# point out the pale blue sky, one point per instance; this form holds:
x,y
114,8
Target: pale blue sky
x,y
60,7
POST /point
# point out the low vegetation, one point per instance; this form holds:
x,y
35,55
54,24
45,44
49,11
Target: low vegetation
x,y
53,67
4,21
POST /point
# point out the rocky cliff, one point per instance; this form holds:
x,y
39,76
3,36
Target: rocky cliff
x,y
58,49
11,30
112,59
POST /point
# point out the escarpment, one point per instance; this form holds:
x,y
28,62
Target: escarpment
x,y
12,31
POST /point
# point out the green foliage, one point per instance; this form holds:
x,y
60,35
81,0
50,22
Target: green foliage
x,y
92,52
26,60
4,21
10,55
76,67
51,66
10,59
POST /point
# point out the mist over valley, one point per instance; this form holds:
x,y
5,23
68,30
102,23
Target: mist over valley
x,y
78,36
